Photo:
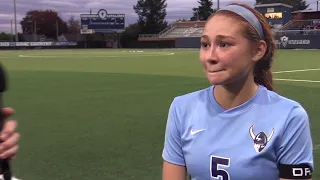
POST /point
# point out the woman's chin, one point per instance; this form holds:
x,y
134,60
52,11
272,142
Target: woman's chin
x,y
216,78
216,81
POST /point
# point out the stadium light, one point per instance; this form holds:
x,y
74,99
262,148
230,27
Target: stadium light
x,y
197,11
15,20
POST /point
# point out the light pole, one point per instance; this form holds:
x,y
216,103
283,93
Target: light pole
x,y
15,20
318,5
11,30
197,13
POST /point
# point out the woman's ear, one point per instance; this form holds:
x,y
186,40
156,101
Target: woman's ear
x,y
259,50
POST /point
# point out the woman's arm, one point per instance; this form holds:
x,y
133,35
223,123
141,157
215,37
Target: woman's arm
x,y
174,162
295,153
173,172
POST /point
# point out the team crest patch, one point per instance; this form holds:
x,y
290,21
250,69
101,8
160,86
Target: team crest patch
x,y
260,140
284,40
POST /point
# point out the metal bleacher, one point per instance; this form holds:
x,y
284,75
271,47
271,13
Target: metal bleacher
x,y
184,32
195,29
184,29
178,29
303,27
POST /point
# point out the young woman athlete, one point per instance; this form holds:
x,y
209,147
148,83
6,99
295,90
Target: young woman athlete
x,y
238,128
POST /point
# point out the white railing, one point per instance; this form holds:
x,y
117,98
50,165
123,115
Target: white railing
x,y
298,32
310,23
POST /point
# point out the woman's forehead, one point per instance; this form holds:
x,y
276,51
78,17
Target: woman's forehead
x,y
223,20
222,25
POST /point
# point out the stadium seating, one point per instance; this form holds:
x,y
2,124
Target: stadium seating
x,y
195,29
184,29
300,25
184,32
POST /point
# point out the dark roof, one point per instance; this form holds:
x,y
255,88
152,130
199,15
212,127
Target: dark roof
x,y
273,5
305,11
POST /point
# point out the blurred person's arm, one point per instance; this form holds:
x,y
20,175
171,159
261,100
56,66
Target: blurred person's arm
x,y
174,163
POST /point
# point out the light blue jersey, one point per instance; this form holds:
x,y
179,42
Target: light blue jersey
x,y
248,142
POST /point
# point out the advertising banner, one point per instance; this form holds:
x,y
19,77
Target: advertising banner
x,y
282,41
298,42
36,44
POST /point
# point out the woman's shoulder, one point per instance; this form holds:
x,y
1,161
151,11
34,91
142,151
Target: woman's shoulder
x,y
186,105
286,104
275,97
193,97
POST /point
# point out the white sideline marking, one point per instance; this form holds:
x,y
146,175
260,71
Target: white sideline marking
x,y
25,56
297,70
297,80
116,56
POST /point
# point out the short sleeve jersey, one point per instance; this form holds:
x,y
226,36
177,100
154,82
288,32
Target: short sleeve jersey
x,y
249,142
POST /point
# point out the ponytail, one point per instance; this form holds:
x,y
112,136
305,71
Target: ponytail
x,y
263,77
262,69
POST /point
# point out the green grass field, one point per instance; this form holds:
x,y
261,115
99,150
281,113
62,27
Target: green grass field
x,y
101,114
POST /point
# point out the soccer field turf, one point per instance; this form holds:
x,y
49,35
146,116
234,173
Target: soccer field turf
x,y
101,114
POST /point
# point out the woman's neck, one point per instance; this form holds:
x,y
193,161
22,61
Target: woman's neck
x,y
230,96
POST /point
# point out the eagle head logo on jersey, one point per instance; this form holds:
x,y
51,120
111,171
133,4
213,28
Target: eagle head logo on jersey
x,y
260,140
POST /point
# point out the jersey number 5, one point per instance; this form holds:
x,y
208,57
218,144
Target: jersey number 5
x,y
215,167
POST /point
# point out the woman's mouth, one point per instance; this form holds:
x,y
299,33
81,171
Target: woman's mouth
x,y
215,71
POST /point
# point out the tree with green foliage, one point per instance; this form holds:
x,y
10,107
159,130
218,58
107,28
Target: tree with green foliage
x,y
5,36
297,4
152,14
203,11
130,35
46,22
73,25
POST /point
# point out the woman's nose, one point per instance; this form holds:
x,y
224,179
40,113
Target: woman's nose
x,y
212,55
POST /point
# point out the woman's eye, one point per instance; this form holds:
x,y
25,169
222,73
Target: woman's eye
x,y
204,44
223,44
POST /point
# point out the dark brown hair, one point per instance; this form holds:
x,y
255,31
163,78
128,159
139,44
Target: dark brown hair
x,y
262,69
